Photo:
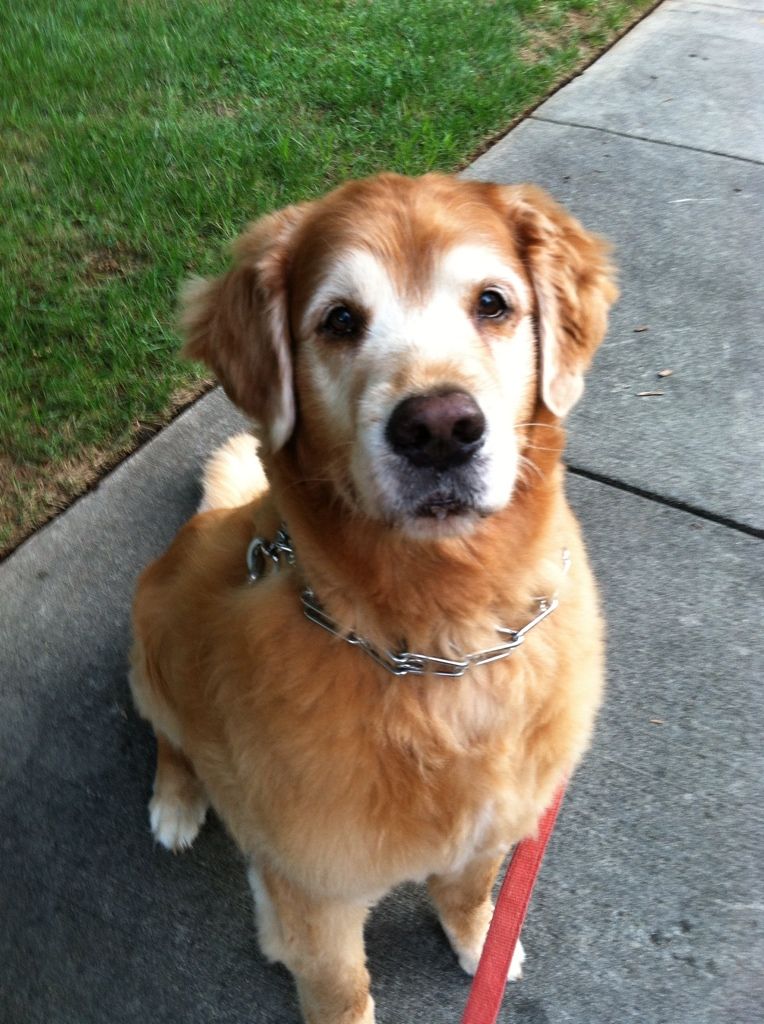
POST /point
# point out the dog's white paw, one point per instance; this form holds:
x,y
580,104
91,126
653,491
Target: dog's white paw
x,y
175,824
468,961
515,971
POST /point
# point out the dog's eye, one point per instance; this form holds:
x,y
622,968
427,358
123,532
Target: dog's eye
x,y
491,305
342,322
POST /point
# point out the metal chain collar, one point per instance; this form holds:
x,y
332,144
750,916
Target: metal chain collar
x,y
402,663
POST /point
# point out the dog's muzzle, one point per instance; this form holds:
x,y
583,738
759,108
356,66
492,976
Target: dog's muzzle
x,y
437,438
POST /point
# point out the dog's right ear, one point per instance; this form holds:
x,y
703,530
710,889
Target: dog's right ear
x,y
238,324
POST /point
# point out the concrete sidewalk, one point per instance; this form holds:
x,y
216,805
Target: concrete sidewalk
x,y
651,904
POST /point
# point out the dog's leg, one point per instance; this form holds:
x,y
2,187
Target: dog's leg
x,y
464,905
321,942
179,803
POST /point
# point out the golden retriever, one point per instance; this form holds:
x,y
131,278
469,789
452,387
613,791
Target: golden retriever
x,y
407,349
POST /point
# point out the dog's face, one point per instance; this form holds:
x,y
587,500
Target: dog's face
x,y
399,334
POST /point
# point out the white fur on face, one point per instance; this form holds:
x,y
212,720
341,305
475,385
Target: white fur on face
x,y
430,343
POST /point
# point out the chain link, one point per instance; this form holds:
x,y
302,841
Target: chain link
x,y
401,663
260,550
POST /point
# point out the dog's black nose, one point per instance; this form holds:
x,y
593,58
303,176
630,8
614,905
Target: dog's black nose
x,y
440,429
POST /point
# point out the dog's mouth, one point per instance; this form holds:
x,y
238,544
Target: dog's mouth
x,y
441,515
425,496
426,501
442,506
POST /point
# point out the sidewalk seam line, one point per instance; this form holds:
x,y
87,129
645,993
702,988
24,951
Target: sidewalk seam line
x,y
644,138
660,499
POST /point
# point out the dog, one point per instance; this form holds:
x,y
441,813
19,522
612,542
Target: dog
x,y
406,349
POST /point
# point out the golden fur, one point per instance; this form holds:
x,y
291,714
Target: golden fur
x,y
336,779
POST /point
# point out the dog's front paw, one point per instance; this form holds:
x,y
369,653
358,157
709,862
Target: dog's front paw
x,y
175,823
515,971
469,958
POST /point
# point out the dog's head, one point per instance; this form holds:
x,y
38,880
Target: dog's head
x,y
398,334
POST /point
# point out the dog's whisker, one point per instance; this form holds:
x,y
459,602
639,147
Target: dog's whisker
x,y
525,466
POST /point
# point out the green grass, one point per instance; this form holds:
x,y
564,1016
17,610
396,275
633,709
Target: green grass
x,y
136,138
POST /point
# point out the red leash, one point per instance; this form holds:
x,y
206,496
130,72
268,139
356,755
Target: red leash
x,y
511,907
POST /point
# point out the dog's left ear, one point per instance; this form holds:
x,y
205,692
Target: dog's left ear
x,y
573,282
238,324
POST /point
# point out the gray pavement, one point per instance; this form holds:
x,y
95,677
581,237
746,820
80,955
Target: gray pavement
x,y
690,76
650,907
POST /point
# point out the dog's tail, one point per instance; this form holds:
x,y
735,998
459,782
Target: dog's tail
x,y
234,475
